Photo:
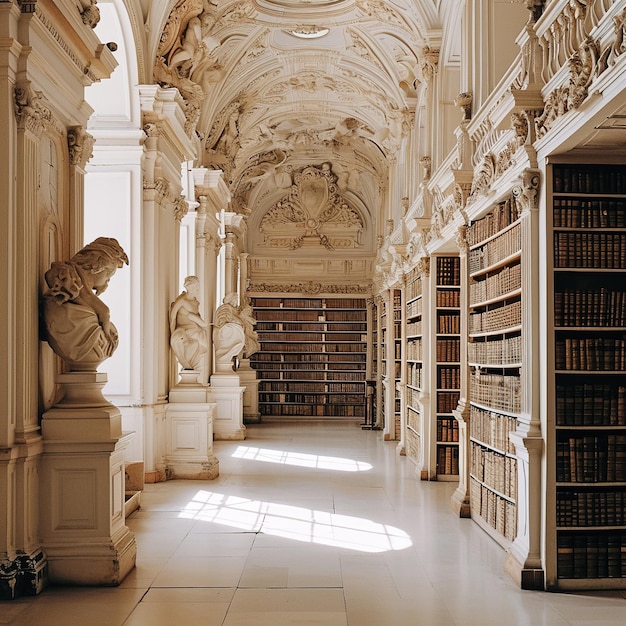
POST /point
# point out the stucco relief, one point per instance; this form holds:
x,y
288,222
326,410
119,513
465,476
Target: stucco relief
x,y
313,213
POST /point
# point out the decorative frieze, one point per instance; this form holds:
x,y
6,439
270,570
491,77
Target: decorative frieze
x,y
309,288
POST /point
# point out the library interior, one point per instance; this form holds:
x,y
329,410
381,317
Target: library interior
x,y
329,236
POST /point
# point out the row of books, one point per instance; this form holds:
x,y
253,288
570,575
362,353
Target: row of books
x,y
598,307
447,460
447,401
499,318
447,429
448,298
499,513
577,213
313,410
414,350
448,270
448,350
414,308
286,315
412,398
449,324
591,555
506,281
591,458
498,352
496,391
414,284
590,354
414,375
448,377
503,215
591,508
601,179
307,398
496,471
590,250
309,303
302,357
340,372
492,429
330,387
591,404
495,250
327,337
414,328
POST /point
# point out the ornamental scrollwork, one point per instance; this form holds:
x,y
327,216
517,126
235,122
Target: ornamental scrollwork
x,y
31,110
80,145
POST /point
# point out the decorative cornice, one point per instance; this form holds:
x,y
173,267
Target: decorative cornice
x,y
309,288
58,37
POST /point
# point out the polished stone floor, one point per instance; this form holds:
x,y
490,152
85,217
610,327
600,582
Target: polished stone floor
x,y
310,523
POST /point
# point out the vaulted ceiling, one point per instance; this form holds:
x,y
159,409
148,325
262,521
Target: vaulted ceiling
x,y
287,83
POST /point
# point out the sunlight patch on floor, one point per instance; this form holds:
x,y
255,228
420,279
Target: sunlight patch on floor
x,y
301,459
295,522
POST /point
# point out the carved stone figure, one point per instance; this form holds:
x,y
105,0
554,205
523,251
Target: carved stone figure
x,y
246,313
77,322
188,331
228,335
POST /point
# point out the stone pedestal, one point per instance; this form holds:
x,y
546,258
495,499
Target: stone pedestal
x,y
248,378
189,419
227,393
82,518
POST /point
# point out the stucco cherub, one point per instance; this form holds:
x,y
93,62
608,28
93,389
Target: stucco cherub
x,y
77,322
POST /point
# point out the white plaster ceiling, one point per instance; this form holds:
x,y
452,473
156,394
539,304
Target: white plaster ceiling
x,y
346,96
275,102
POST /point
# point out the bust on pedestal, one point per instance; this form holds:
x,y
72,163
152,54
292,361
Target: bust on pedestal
x,y
83,481
189,414
228,340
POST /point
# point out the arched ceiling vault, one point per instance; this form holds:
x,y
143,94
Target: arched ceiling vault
x,y
275,86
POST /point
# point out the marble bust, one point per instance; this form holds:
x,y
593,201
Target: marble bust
x,y
77,322
188,331
228,334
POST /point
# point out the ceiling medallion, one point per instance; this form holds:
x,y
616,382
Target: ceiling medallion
x,y
308,32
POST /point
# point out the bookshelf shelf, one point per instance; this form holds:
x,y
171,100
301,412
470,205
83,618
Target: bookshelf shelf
x,y
313,356
588,413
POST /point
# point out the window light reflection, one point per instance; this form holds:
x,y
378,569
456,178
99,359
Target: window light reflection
x,y
297,523
301,459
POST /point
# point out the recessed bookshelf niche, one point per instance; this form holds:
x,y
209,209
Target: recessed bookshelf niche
x,y
588,421
447,363
312,361
495,358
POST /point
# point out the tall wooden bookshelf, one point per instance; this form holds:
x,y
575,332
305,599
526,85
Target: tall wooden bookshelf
x,y
312,361
588,406
447,362
494,355
415,367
